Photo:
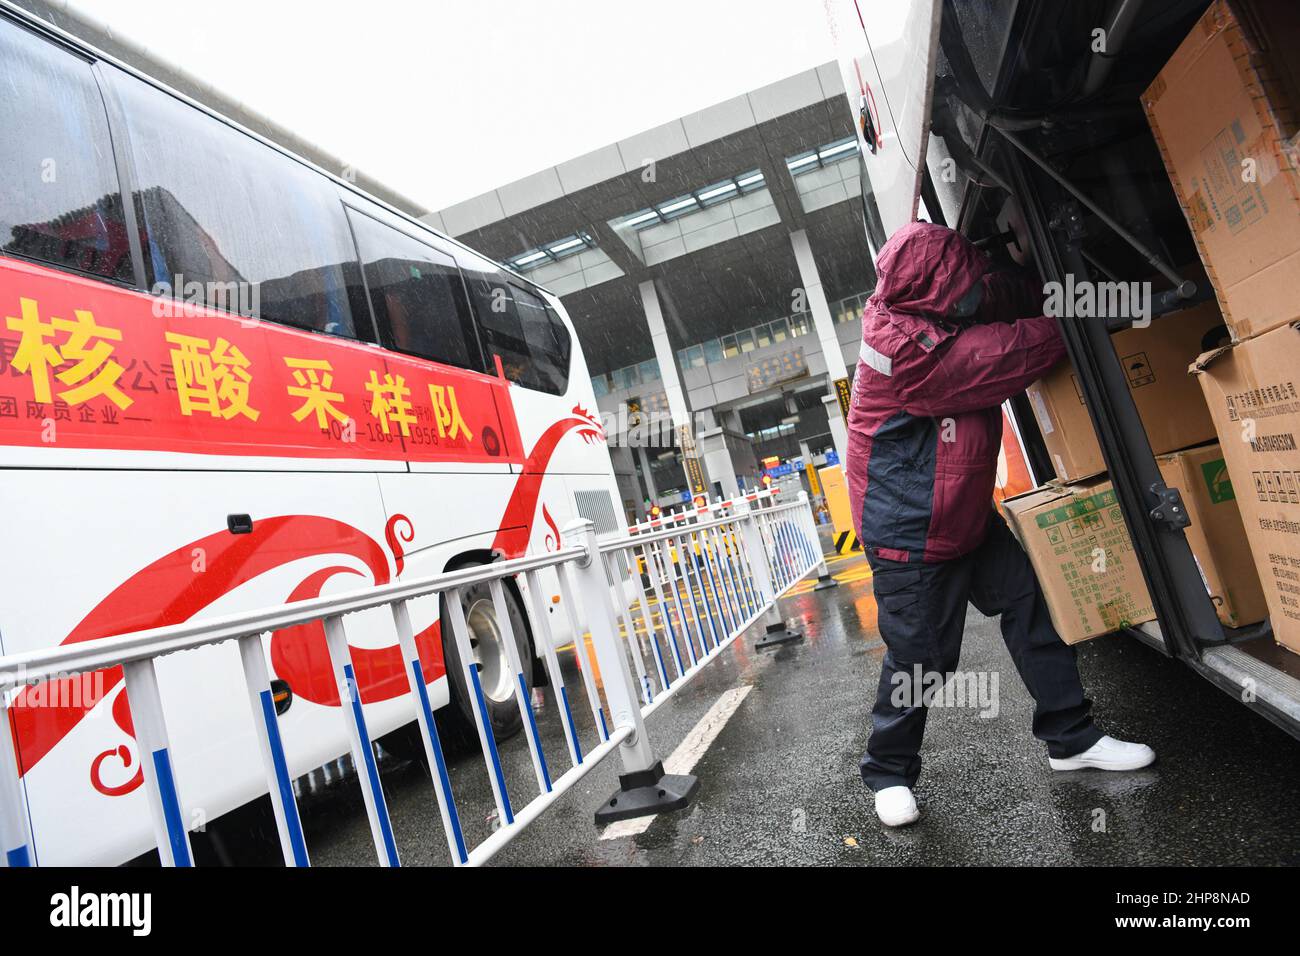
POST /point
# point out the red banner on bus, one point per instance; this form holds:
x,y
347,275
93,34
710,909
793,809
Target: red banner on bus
x,y
84,365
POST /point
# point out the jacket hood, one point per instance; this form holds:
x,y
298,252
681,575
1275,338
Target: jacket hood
x,y
924,269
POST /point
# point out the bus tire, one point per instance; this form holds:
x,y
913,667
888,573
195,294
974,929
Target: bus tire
x,y
493,671
456,728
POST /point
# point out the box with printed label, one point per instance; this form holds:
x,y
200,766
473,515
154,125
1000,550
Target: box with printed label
x,y
1080,548
1216,535
1155,361
1253,392
1224,114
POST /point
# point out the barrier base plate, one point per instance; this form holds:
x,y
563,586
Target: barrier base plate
x,y
644,793
777,634
826,583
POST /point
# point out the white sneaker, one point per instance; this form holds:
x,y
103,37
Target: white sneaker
x,y
1107,754
896,806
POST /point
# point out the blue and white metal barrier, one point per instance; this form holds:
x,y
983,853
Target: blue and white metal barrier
x,y
712,573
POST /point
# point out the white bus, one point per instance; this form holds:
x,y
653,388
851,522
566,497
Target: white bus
x,y
229,379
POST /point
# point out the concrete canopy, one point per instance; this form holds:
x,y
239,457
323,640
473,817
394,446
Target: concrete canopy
x,y
726,281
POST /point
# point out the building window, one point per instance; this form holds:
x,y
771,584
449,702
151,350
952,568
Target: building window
x,y
822,157
553,251
722,191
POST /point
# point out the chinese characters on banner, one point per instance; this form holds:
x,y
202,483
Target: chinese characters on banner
x,y
83,365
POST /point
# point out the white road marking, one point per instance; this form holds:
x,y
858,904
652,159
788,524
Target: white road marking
x,y
687,754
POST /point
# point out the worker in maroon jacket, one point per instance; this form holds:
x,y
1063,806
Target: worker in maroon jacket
x,y
944,343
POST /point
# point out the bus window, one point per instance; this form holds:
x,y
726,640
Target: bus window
x,y
531,341
232,223
548,342
417,295
498,320
60,203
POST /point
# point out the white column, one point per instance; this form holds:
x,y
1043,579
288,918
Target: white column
x,y
678,407
625,476
839,427
717,460
825,328
665,355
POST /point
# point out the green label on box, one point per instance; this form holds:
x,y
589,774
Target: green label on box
x,y
1217,481
1078,508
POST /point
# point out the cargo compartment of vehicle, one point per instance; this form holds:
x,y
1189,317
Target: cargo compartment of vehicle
x,y
1150,151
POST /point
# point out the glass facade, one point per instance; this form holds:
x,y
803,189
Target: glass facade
x,y
734,344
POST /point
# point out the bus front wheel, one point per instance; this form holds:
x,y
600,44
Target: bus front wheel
x,y
486,638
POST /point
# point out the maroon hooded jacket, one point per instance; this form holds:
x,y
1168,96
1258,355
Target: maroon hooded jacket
x,y
925,427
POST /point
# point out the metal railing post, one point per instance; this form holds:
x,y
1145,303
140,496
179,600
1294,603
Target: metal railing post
x,y
644,788
363,754
14,833
756,549
665,613
547,645
581,650
664,551
433,754
824,580
267,726
155,756
623,613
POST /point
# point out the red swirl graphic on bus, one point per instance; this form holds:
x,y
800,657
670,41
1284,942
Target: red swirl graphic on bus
x,y
173,590
394,537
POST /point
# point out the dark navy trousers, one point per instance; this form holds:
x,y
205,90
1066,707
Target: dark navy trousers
x,y
922,615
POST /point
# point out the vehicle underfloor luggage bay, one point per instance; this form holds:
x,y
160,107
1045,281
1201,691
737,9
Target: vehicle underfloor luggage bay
x,y
1039,148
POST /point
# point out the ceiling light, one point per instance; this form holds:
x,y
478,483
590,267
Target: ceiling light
x,y
567,245
841,148
720,191
677,205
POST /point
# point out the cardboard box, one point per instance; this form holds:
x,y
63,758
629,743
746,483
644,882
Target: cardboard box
x,y
1224,114
1216,535
1155,359
1062,528
1082,553
1253,392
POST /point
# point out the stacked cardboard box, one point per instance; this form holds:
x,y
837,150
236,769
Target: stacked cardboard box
x,y
1080,547
1224,113
1155,361
1216,535
1253,390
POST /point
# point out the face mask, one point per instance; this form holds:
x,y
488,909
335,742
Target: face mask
x,y
969,303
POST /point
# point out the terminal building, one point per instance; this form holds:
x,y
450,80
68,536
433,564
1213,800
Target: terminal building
x,y
715,268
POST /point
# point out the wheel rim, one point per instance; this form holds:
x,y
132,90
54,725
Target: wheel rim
x,y
488,648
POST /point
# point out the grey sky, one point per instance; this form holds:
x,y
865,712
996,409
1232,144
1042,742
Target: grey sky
x,y
445,99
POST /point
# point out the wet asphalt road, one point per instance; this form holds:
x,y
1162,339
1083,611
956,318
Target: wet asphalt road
x,y
780,782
